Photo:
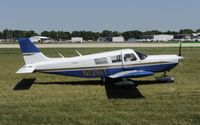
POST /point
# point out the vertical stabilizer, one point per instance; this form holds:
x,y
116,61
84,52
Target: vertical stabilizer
x,y
31,53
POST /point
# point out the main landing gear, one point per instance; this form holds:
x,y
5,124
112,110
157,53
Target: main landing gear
x,y
119,82
165,78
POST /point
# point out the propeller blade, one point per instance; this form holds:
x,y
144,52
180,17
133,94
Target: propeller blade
x,y
180,64
180,53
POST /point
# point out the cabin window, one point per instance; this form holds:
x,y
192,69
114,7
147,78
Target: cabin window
x,y
101,61
116,59
129,57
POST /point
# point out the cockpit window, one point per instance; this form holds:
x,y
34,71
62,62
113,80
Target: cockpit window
x,y
141,55
129,57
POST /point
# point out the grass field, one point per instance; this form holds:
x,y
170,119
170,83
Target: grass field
x,y
66,100
108,45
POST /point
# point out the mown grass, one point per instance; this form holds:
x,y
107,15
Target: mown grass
x,y
66,100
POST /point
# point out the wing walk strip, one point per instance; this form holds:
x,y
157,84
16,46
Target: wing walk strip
x,y
102,67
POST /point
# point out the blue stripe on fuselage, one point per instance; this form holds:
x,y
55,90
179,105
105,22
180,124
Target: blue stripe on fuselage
x,y
99,73
153,68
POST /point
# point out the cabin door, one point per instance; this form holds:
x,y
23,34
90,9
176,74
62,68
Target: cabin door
x,y
128,60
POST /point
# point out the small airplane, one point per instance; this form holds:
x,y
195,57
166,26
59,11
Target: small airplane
x,y
113,66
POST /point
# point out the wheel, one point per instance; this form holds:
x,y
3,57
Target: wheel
x,y
126,83
165,79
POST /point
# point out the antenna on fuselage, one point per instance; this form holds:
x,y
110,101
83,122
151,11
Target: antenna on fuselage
x,y
78,52
61,55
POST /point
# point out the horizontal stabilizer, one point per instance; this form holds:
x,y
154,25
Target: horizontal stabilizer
x,y
26,69
131,74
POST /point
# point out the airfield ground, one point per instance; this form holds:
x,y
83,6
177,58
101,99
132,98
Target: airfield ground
x,y
74,101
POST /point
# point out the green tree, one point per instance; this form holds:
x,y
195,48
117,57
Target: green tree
x,y
76,34
63,35
7,34
53,35
60,35
132,34
152,32
106,33
1,35
96,35
88,35
18,34
29,33
116,33
198,30
171,32
45,33
67,35
186,31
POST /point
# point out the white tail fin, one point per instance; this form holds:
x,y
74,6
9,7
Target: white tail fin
x,y
30,58
30,52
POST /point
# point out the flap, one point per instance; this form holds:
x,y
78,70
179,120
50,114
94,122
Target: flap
x,y
26,69
131,73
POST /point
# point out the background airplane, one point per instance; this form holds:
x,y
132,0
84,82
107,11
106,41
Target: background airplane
x,y
113,66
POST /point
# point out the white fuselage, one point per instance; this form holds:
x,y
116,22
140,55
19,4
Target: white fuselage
x,y
89,62
125,63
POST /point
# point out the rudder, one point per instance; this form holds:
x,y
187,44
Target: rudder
x,y
31,53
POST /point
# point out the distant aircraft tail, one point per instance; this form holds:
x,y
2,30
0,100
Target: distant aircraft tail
x,y
31,53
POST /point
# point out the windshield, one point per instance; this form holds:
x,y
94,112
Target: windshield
x,y
141,55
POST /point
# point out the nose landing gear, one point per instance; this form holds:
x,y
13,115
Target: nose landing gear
x,y
165,78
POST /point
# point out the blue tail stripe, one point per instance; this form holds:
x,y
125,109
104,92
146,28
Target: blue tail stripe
x,y
27,46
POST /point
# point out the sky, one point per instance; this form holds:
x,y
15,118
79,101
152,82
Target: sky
x,y
99,15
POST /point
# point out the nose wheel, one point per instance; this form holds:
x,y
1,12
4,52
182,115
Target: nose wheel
x,y
165,78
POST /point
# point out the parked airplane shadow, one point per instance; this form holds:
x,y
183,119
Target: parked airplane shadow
x,y
24,84
112,91
90,82
117,92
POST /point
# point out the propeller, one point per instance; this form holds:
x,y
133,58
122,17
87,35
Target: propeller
x,y
180,55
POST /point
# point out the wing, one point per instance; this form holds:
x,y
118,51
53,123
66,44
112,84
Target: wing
x,y
26,69
131,73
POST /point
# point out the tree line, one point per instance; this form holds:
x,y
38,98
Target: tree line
x,y
14,34
88,35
